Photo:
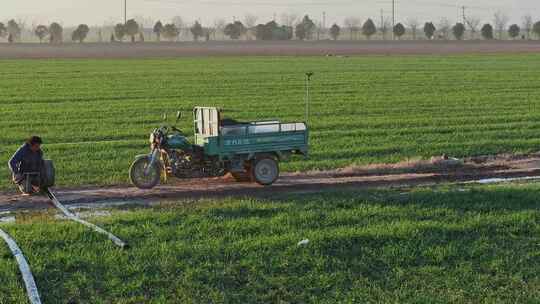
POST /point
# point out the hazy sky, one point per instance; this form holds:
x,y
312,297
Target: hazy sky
x,y
99,12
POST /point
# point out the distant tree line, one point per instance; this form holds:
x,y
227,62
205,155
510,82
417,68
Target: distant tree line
x,y
290,28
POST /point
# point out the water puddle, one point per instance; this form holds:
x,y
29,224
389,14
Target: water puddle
x,y
89,210
97,213
87,214
7,219
105,205
505,180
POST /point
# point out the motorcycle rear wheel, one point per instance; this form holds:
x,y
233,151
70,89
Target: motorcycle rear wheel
x,y
265,171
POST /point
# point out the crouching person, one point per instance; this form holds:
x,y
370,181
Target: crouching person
x,y
26,166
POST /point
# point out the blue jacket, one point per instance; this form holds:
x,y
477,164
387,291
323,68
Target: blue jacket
x,y
24,154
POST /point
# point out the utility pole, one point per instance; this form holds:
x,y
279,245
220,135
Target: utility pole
x,y
324,24
382,23
382,19
125,12
464,16
393,18
308,82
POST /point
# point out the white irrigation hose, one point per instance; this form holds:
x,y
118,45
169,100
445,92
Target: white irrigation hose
x,y
75,218
31,288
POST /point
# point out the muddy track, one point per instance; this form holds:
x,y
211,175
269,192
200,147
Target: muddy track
x,y
383,176
263,48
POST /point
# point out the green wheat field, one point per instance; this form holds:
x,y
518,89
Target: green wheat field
x,y
96,115
441,245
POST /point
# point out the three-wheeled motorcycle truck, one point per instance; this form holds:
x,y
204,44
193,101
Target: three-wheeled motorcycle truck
x,y
248,151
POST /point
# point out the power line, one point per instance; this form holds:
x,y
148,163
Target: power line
x,y
409,7
268,3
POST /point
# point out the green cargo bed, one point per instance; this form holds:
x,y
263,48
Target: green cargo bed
x,y
227,141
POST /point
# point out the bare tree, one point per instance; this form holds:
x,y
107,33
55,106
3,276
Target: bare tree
x,y
109,22
179,24
250,21
385,27
24,28
413,24
289,19
141,21
145,24
352,24
320,30
536,29
500,20
219,26
474,24
34,25
527,25
444,28
3,30
99,33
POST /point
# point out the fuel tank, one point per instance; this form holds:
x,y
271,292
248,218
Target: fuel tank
x,y
178,142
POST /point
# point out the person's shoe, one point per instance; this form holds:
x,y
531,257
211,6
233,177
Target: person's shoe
x,y
22,188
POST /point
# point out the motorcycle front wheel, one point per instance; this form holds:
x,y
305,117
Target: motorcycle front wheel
x,y
142,176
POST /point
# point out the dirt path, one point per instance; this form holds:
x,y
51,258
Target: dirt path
x,y
433,172
263,48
